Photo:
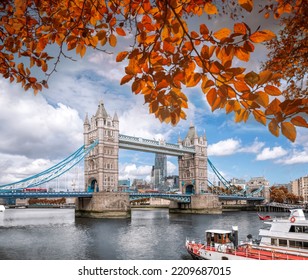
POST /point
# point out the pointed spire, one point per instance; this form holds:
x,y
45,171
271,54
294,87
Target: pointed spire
x,y
101,111
115,117
86,120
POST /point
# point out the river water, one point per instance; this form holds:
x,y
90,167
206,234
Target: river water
x,y
55,234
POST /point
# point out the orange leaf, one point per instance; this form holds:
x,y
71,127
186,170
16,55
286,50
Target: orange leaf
x,y
240,28
222,33
262,36
272,90
273,108
273,127
153,106
259,116
265,76
246,4
121,56
299,121
112,40
210,8
241,86
262,98
251,78
204,29
288,130
242,54
211,96
126,79
120,31
193,80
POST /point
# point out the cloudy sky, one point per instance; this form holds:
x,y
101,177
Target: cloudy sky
x,y
38,131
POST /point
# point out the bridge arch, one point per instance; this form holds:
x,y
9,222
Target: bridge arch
x,y
92,185
189,189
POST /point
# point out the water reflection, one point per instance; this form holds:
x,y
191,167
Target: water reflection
x,y
149,234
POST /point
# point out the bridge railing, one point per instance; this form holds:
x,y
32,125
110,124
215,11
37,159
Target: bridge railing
x,y
155,143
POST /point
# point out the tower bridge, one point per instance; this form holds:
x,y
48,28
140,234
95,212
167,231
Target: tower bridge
x,y
100,152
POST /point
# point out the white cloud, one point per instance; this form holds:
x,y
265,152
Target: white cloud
x,y
224,147
254,148
295,157
30,126
232,146
171,168
268,153
132,171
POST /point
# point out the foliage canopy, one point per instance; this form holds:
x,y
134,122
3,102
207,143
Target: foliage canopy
x,y
168,55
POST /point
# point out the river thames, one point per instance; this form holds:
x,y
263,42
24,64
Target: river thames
x,y
55,234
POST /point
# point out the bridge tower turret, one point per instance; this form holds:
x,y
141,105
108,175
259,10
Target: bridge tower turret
x,y
193,168
101,165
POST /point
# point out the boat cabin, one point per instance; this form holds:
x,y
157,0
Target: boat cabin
x,y
218,236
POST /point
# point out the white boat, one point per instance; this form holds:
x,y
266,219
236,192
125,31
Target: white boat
x,y
2,208
284,239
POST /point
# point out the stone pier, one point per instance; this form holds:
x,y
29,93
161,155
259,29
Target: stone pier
x,y
104,205
200,204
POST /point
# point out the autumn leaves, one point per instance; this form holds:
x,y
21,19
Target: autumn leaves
x,y
166,56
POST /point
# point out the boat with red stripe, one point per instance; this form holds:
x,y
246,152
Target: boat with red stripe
x,y
283,239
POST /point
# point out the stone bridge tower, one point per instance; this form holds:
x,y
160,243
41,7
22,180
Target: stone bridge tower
x,y
193,168
101,166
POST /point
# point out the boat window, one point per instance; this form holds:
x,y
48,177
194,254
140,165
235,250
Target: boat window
x,y
301,229
283,242
295,244
274,241
305,245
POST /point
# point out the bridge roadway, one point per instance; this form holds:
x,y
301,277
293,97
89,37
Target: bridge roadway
x,y
183,198
146,145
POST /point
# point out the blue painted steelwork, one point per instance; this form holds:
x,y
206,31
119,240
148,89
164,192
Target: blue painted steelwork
x,y
52,172
174,197
219,176
239,197
182,198
146,145
14,194
256,192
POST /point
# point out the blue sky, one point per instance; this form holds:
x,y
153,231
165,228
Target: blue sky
x,y
38,131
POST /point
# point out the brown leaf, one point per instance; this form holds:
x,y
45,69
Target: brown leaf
x,y
120,31
288,130
273,127
272,90
222,33
112,40
251,78
259,116
126,79
299,121
262,36
240,28
210,8
121,56
211,96
246,4
262,98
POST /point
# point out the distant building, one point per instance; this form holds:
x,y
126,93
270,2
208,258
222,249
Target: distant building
x,y
124,185
159,171
301,187
238,182
172,182
295,187
256,184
